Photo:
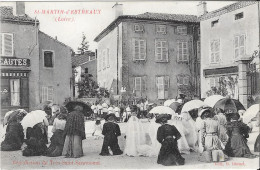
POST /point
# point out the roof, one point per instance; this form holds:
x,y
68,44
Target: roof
x,y
151,17
78,60
6,13
54,39
227,9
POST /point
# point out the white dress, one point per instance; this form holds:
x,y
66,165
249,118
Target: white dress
x,y
155,147
98,131
191,135
177,121
135,137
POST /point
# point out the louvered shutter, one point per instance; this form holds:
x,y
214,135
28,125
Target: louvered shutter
x,y
241,45
8,44
158,52
1,44
144,80
160,88
179,46
212,56
236,44
212,82
216,81
217,57
166,86
185,51
142,49
164,51
135,49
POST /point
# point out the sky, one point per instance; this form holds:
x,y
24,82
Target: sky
x,y
70,31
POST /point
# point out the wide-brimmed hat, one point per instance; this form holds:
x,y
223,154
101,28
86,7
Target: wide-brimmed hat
x,y
112,115
161,117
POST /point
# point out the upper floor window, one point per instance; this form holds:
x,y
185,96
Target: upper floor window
x,y
47,93
161,50
163,85
7,44
239,44
161,29
214,23
182,49
48,59
239,16
182,30
139,49
183,80
138,28
214,51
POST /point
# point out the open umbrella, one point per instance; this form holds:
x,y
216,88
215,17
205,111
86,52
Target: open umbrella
x,y
168,102
162,110
250,113
229,105
87,111
33,118
212,100
174,106
193,104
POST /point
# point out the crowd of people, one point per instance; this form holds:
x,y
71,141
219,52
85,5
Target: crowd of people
x,y
212,134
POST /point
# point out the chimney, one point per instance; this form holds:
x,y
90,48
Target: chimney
x,y
202,8
20,8
118,8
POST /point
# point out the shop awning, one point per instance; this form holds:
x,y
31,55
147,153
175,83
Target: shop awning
x,y
220,71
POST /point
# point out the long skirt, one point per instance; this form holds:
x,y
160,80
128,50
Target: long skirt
x,y
222,134
57,142
72,146
212,142
169,153
257,144
239,147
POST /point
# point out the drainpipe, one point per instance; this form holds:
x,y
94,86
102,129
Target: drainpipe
x,y
117,62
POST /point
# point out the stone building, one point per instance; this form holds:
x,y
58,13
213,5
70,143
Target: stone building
x,y
34,66
151,55
229,39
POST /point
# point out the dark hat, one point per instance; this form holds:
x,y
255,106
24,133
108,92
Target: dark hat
x,y
109,116
162,117
235,116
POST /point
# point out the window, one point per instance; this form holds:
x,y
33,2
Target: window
x,y
239,16
161,29
15,92
239,44
99,61
7,44
183,80
182,30
138,28
47,93
104,59
163,84
214,82
214,23
214,51
161,50
139,49
182,48
108,65
48,59
139,85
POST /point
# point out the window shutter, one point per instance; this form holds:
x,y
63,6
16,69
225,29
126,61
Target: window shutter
x,y
216,81
144,79
142,49
212,57
212,82
185,51
135,49
1,44
242,45
24,92
164,51
50,93
158,52
179,49
108,65
166,86
8,44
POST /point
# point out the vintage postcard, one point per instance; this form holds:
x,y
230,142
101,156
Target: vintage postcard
x,y
130,84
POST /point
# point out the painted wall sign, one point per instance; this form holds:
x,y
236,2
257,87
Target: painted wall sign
x,y
6,61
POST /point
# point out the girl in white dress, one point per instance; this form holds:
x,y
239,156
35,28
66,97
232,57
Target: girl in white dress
x,y
98,127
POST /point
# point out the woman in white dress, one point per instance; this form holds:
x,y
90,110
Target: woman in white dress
x,y
156,146
191,136
177,121
135,135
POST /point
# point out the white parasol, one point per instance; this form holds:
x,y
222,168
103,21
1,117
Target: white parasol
x,y
162,110
34,117
193,104
250,113
168,102
212,100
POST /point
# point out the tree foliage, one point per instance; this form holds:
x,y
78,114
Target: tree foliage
x,y
89,88
83,49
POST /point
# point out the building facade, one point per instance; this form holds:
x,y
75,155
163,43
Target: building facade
x,y
150,55
229,40
34,67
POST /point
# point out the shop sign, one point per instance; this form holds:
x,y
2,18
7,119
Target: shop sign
x,y
6,61
14,74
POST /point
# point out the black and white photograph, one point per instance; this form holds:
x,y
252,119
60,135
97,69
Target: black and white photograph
x,y
130,84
